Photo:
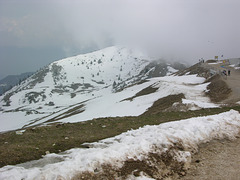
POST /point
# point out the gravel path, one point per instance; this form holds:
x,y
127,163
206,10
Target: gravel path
x,y
217,160
233,81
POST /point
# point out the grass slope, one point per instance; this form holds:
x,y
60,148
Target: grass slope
x,y
34,142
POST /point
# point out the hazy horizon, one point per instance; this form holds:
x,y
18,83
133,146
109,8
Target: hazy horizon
x,y
35,33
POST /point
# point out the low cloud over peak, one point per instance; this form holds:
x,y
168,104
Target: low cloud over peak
x,y
187,29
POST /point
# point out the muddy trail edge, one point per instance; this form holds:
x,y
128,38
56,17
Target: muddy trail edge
x,y
232,79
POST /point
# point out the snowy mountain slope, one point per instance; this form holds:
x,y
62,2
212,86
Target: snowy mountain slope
x,y
81,74
105,103
67,87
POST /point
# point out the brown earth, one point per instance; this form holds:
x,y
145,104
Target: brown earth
x,y
154,165
232,80
218,90
217,160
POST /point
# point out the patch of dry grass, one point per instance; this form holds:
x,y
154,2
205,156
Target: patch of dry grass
x,y
145,91
164,104
34,142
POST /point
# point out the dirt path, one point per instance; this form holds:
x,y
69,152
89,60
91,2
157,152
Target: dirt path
x,y
217,160
233,81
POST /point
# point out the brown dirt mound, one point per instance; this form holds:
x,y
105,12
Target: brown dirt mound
x,y
145,91
218,89
211,61
155,165
195,69
164,103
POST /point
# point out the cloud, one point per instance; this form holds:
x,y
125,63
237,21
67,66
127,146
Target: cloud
x,y
186,29
177,29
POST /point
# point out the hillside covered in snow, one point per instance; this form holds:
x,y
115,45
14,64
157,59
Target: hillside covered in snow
x,y
81,88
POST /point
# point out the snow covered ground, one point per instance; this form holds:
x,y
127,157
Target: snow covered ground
x,y
134,144
235,66
106,103
86,80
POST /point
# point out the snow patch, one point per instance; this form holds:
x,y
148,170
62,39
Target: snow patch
x,y
134,144
105,103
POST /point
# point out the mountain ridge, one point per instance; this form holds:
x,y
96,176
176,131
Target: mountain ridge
x,y
11,80
69,83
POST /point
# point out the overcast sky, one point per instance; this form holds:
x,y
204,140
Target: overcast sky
x,y
34,33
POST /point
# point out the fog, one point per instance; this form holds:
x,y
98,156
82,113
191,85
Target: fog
x,y
34,33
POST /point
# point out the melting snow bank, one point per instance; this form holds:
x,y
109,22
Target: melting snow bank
x,y
152,151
